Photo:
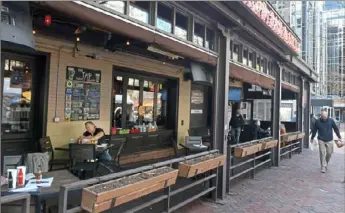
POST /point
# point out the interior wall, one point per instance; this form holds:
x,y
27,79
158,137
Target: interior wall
x,y
62,55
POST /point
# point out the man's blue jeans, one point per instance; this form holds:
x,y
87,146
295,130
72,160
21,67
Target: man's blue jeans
x,y
104,156
236,133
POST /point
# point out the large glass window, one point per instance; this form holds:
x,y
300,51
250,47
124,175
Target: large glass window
x,y
148,101
16,103
164,18
118,6
133,90
181,26
162,104
199,34
210,39
140,10
117,102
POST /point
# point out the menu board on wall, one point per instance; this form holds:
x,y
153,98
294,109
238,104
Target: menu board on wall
x,y
82,94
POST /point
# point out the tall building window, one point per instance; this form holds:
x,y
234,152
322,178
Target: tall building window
x,y
236,52
140,10
118,6
251,59
210,39
199,34
164,18
181,26
245,56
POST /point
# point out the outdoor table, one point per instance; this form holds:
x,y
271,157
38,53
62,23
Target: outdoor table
x,y
99,149
61,177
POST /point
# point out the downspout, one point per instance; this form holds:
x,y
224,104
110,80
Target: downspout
x,y
57,84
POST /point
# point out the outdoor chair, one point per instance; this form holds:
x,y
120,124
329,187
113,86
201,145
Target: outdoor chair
x,y
204,132
193,144
46,146
82,159
115,151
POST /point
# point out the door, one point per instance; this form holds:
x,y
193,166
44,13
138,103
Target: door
x,y
200,106
17,95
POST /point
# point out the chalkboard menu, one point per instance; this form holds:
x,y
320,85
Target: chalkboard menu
x,y
83,94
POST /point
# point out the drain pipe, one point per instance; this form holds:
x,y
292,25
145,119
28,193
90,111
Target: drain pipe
x,y
57,119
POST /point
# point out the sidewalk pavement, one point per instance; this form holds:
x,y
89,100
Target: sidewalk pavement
x,y
297,186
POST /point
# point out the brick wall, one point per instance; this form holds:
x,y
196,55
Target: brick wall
x,y
61,56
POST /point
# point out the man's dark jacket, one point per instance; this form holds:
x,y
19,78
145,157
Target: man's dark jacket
x,y
237,121
324,128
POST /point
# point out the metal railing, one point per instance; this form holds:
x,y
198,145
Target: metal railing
x,y
248,165
291,147
168,192
24,197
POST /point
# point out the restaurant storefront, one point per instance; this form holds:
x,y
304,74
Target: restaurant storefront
x,y
150,79
133,87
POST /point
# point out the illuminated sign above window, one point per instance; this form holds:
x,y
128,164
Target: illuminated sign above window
x,y
273,21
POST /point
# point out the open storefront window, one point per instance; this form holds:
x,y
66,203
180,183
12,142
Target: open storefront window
x,y
143,101
132,107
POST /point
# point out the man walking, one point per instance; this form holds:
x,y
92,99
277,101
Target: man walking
x,y
324,127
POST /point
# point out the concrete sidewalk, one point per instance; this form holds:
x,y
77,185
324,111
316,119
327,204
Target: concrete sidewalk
x,y
296,186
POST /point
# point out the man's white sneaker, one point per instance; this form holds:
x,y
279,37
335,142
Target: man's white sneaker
x,y
323,170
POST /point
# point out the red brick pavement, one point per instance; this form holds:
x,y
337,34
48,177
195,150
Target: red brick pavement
x,y
296,186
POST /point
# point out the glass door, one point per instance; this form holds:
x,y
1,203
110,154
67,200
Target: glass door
x,y
16,113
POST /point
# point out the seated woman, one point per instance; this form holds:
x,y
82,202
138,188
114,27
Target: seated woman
x,y
93,133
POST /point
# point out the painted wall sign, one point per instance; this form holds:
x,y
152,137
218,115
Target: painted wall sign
x,y
273,21
197,97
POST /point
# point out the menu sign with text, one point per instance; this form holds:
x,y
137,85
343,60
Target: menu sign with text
x,y
83,93
83,74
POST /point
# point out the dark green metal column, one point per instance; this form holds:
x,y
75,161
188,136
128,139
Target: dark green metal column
x,y
307,115
220,102
277,95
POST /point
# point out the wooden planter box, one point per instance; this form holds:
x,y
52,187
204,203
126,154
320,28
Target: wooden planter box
x,y
243,151
99,198
301,135
269,144
190,169
289,137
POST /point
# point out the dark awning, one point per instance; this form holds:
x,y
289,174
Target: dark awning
x,y
201,73
290,87
244,74
87,13
16,26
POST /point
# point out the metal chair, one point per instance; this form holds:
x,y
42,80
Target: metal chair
x,y
115,151
193,144
82,159
46,146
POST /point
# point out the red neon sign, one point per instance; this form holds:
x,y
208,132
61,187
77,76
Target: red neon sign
x,y
261,10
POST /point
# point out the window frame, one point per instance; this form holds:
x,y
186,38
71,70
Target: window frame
x,y
141,77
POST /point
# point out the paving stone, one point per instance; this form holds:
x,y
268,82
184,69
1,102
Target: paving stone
x,y
297,186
